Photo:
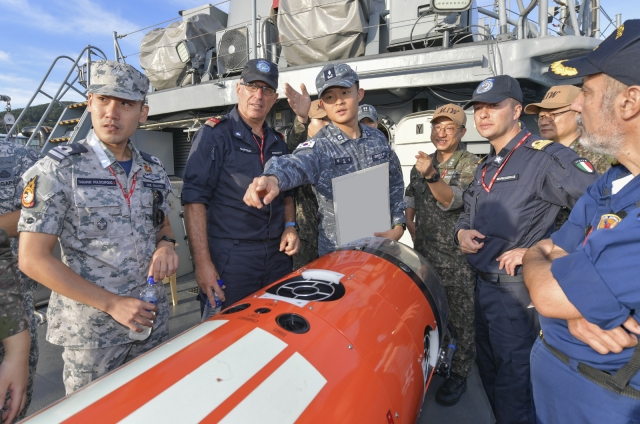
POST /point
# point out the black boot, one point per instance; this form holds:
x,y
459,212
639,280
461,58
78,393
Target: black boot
x,y
451,389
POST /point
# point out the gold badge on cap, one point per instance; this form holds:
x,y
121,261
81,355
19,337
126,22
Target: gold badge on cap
x,y
559,69
29,194
608,221
619,31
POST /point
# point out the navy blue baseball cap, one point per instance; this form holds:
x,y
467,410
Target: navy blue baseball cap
x,y
615,57
335,75
260,70
495,90
367,111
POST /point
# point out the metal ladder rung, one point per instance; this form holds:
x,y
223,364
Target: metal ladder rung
x,y
70,122
75,105
59,139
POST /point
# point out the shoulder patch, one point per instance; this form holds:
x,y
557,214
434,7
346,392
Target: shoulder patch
x,y
212,122
306,145
584,165
540,144
151,158
60,153
33,155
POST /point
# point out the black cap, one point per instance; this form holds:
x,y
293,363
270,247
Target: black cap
x,y
260,70
615,57
495,90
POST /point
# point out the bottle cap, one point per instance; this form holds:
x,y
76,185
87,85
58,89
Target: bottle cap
x,y
150,280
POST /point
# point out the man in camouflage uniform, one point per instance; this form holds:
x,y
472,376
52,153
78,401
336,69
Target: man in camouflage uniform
x,y
368,115
14,161
557,122
106,203
342,147
434,197
14,355
309,120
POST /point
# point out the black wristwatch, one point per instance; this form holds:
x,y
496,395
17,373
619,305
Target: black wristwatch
x,y
169,239
434,178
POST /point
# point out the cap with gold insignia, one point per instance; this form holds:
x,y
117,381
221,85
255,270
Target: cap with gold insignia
x,y
557,97
315,111
120,80
453,112
613,57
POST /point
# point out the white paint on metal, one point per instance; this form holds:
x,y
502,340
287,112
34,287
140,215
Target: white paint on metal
x,y
282,397
94,392
195,396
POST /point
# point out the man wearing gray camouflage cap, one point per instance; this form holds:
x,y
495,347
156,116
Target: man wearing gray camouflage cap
x,y
106,202
367,115
342,147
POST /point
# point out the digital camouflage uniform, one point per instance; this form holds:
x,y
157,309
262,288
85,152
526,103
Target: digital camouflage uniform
x,y
306,205
331,154
434,225
600,162
14,161
13,318
104,241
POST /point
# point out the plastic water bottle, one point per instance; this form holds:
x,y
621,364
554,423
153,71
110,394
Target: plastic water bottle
x,y
148,294
209,310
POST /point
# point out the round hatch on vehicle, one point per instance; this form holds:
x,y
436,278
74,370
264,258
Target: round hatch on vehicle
x,y
237,308
293,323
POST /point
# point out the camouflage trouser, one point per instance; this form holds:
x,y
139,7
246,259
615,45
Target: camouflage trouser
x,y
82,366
28,290
459,283
307,219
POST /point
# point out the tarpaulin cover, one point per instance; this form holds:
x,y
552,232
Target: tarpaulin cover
x,y
313,31
158,56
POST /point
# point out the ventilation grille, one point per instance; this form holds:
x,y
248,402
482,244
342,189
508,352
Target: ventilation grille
x,y
308,290
233,49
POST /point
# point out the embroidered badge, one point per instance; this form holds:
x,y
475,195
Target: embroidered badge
x,y
5,174
498,160
263,66
33,155
307,144
237,134
541,144
156,160
29,193
508,178
485,86
343,161
330,73
95,182
151,177
154,185
102,224
608,221
584,165
379,156
565,71
147,168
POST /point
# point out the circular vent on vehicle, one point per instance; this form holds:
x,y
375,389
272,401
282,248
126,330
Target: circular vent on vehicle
x,y
237,308
308,290
293,323
232,49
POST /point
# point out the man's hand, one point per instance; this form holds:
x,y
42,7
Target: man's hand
x,y
411,226
128,311
262,191
290,242
604,341
510,259
299,102
424,165
207,279
14,374
468,244
164,261
394,234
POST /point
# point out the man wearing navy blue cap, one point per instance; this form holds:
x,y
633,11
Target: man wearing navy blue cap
x,y
584,281
510,205
244,247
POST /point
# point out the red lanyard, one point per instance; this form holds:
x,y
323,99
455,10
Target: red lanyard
x,y
444,174
493,180
260,146
127,197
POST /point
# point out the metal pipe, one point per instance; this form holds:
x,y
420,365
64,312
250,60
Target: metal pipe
x,y
502,10
180,122
88,67
618,20
434,65
522,20
494,15
255,29
596,18
446,39
571,6
543,13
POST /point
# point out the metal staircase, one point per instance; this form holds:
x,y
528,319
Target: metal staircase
x,y
74,122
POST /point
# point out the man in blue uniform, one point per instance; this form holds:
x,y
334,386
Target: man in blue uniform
x,y
244,247
342,147
584,281
510,205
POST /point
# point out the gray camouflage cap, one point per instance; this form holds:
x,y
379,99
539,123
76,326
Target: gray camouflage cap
x,y
367,111
112,78
335,75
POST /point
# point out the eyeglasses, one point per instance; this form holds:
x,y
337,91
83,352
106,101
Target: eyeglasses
x,y
448,129
550,116
252,88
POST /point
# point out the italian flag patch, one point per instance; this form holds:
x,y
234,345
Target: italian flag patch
x,y
584,165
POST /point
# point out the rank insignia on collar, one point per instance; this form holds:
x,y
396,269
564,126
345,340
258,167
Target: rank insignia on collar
x,y
608,221
619,31
559,69
541,144
498,160
584,165
147,168
29,193
102,224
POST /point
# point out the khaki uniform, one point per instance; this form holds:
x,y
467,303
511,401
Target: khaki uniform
x,y
14,161
434,226
103,239
306,205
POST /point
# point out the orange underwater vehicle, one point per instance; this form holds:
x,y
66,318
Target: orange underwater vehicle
x,y
354,337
